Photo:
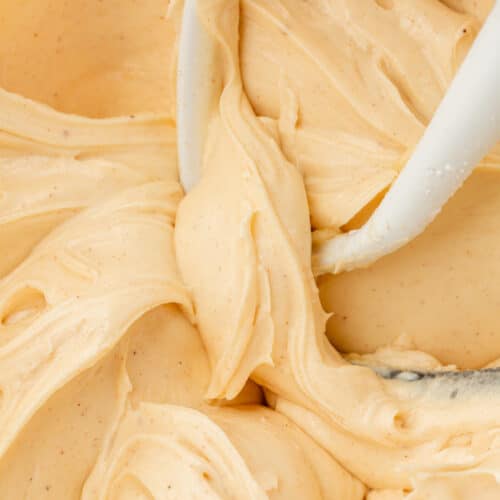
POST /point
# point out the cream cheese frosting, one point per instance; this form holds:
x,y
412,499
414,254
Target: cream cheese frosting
x,y
247,213
155,345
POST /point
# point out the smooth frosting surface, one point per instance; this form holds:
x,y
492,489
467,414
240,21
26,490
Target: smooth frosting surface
x,y
161,346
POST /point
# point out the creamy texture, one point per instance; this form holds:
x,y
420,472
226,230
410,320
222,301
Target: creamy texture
x,y
256,301
102,382
350,101
155,345
438,294
97,59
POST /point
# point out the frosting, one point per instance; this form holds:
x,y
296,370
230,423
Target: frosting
x,y
156,345
437,294
256,301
